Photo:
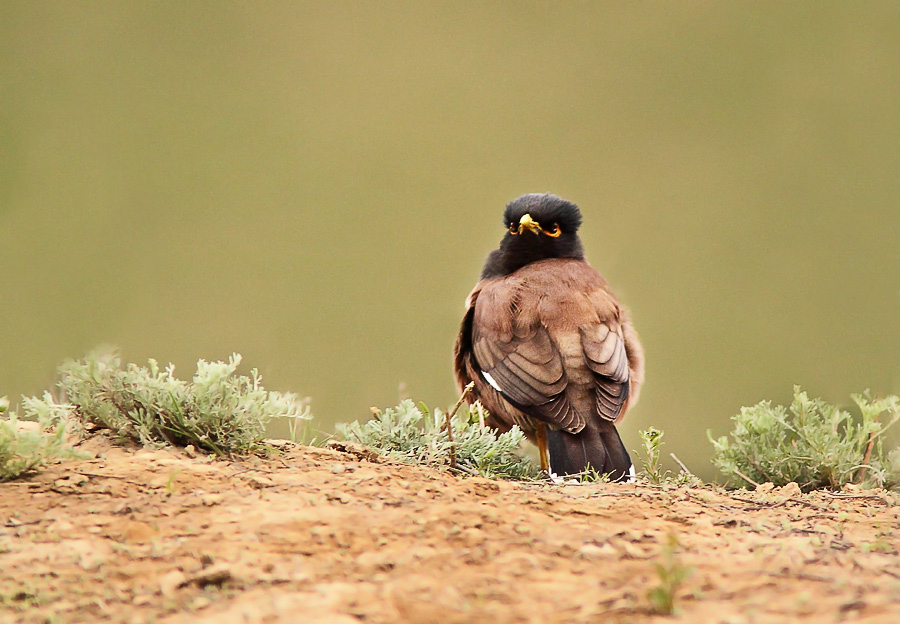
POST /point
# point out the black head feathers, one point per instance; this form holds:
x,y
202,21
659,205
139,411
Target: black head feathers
x,y
538,226
544,208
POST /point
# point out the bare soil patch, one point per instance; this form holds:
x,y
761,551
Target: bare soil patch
x,y
319,535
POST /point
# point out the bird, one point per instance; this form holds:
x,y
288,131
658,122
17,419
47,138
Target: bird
x,y
547,344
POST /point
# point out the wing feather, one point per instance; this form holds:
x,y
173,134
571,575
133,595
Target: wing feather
x,y
531,372
528,367
604,351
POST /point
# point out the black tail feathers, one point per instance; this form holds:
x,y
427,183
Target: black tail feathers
x,y
597,446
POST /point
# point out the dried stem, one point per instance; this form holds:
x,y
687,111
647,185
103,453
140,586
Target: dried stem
x,y
868,455
683,467
448,426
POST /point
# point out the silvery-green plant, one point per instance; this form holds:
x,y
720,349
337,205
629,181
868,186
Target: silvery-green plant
x,y
219,410
811,443
26,447
413,434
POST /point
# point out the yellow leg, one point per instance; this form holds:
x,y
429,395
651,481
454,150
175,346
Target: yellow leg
x,y
541,432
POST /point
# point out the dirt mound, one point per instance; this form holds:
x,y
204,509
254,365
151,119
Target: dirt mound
x,y
324,536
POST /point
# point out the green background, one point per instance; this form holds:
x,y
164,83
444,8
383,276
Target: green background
x,y
316,185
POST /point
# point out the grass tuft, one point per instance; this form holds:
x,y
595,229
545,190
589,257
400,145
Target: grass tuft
x,y
653,472
670,573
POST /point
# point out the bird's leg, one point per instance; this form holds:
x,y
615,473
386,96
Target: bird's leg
x,y
541,432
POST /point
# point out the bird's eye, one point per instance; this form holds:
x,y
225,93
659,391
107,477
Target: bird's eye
x,y
513,229
553,232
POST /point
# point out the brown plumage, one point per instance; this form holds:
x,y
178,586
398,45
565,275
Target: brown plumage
x,y
547,343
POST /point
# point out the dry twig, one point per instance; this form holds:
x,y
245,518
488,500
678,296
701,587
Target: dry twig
x,y
851,496
680,463
868,455
745,477
448,426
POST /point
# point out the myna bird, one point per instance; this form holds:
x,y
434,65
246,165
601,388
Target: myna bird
x,y
548,345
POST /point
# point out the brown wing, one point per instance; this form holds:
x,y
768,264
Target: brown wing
x,y
502,415
527,368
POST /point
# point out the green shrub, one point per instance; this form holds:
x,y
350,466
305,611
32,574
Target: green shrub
x,y
218,410
813,444
26,447
412,434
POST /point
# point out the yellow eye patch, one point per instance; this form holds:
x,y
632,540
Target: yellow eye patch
x,y
554,232
527,223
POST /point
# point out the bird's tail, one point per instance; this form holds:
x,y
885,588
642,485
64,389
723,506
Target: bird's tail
x,y
597,446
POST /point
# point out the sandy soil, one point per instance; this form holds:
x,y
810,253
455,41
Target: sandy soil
x,y
322,536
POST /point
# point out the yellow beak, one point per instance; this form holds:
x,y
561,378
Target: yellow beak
x,y
527,223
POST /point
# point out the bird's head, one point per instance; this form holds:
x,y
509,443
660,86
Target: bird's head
x,y
538,226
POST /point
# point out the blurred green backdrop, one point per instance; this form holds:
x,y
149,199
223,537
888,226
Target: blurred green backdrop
x,y
316,185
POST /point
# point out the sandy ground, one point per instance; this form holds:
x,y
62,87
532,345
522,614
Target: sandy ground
x,y
320,536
